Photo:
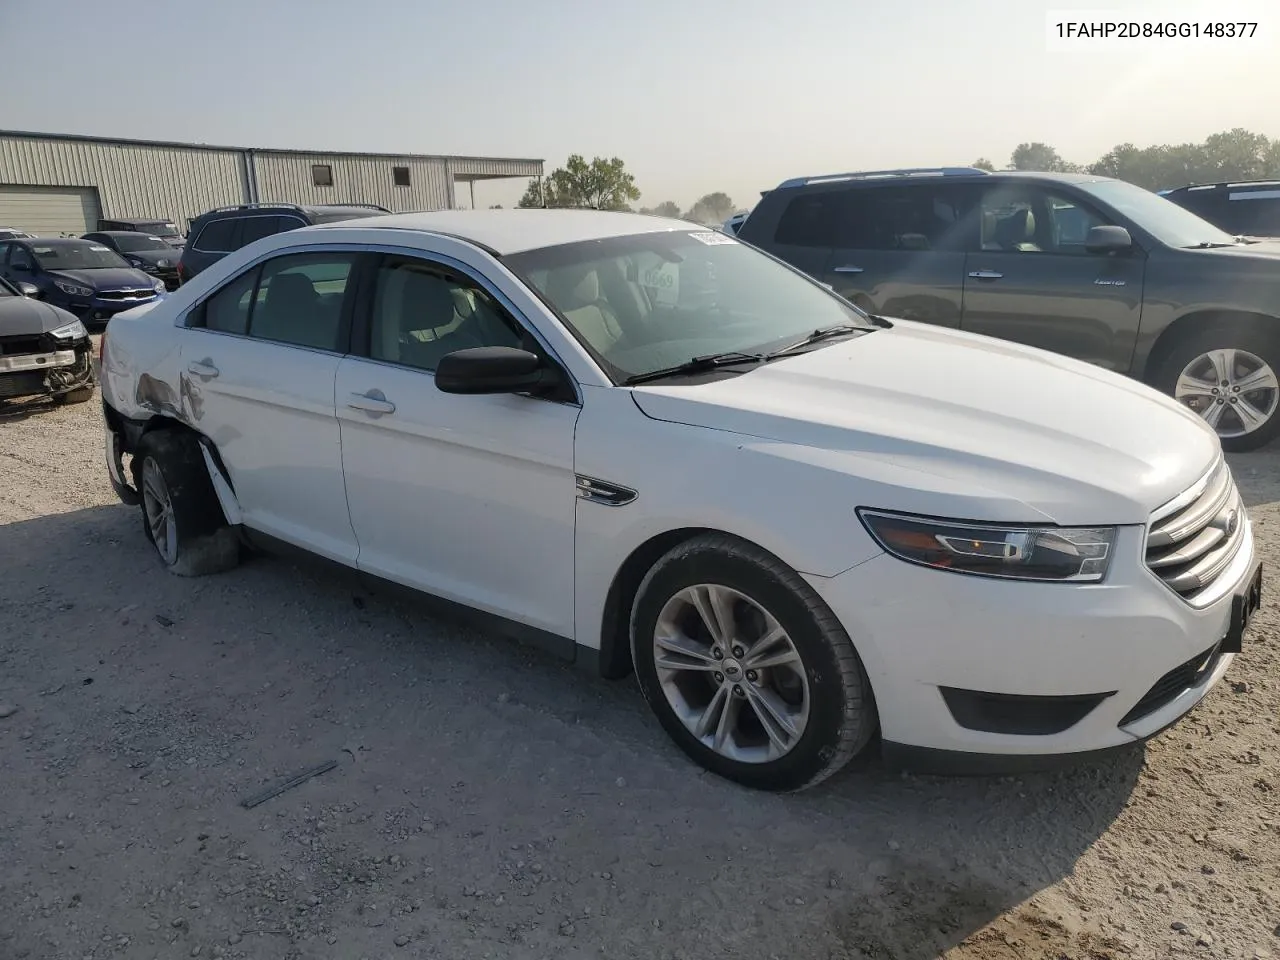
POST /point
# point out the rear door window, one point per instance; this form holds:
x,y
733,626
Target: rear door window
x,y
915,218
810,220
255,228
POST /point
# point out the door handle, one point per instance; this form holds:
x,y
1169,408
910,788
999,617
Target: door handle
x,y
203,368
372,402
847,269
985,274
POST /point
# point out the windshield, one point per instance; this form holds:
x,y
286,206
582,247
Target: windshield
x,y
650,301
1162,218
158,229
76,256
128,243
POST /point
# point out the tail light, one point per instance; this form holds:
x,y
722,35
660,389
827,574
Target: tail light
x,y
181,275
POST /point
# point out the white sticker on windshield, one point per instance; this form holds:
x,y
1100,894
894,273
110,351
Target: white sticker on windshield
x,y
711,238
43,250
96,249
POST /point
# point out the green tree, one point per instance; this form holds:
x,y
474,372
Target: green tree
x,y
603,184
667,208
1236,154
982,163
1040,157
712,208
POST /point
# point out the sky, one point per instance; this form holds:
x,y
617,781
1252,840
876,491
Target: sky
x,y
694,95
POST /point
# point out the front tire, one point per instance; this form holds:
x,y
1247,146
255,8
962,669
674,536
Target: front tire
x,y
1230,376
181,515
746,668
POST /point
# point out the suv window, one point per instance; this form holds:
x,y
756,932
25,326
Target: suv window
x,y
217,236
1026,219
19,256
295,299
255,228
421,311
810,220
902,218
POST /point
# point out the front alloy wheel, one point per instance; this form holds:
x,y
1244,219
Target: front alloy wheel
x,y
1235,391
157,507
731,674
745,666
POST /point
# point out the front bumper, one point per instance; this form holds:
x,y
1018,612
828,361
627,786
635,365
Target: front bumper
x,y
96,309
50,369
1139,655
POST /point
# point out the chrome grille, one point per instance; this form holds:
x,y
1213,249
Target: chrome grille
x,y
1193,538
127,294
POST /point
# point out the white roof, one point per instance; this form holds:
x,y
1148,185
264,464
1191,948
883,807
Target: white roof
x,y
513,231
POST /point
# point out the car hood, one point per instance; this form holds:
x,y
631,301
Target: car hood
x,y
1072,442
1262,249
105,278
24,317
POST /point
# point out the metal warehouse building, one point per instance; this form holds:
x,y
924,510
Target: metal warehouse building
x,y
52,184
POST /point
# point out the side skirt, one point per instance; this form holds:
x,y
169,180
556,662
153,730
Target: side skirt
x,y
563,648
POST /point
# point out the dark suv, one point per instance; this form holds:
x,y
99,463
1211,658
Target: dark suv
x,y
1250,208
215,234
1090,267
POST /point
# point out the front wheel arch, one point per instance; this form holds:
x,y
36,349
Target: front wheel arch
x,y
1191,323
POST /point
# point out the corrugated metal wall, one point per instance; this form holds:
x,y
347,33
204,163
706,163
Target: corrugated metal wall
x,y
179,182
288,177
133,180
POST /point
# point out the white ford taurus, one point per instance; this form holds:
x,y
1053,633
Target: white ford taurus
x,y
651,446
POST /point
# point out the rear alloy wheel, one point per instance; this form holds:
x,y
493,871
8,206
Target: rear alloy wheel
x,y
746,668
1230,380
181,515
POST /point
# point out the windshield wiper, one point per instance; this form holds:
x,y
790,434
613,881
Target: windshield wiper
x,y
698,365
823,333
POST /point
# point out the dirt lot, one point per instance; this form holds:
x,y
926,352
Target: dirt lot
x,y
489,802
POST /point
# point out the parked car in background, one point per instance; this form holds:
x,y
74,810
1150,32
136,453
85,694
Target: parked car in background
x,y
149,254
215,234
9,233
1085,266
731,225
1246,208
646,444
166,230
89,280
44,351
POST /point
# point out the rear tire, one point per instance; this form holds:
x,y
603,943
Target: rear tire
x,y
774,715
181,515
1239,361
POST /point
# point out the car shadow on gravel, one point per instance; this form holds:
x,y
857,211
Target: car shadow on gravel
x,y
494,795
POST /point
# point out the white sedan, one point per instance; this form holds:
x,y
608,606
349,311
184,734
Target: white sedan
x,y
652,447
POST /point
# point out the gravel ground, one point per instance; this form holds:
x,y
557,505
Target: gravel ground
x,y
490,802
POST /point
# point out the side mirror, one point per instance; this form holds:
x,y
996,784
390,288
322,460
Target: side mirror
x,y
29,290
1108,240
490,370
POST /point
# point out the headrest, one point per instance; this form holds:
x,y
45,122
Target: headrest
x,y
571,288
295,287
426,301
1018,227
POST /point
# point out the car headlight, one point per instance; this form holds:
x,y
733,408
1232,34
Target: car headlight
x,y
158,286
162,263
73,289
1060,554
70,331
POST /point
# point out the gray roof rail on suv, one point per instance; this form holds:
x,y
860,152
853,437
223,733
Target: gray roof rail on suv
x,y
1090,267
226,229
